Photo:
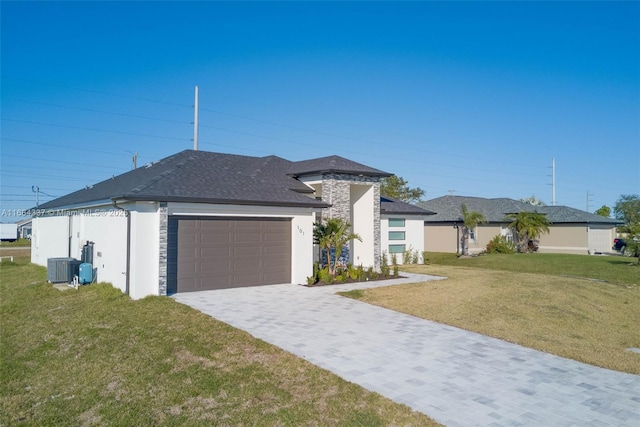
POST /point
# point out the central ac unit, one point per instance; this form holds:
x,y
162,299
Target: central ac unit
x,y
62,270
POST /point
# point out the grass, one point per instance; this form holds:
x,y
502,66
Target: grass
x,y
17,243
502,296
95,357
613,269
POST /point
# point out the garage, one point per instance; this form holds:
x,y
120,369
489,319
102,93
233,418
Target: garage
x,y
218,253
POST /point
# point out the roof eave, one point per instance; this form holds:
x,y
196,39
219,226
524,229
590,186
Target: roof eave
x,y
311,204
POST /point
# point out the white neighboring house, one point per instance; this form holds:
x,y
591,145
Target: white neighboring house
x,y
402,229
199,220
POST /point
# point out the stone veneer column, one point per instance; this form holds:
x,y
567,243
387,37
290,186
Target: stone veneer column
x,y
164,227
376,224
336,190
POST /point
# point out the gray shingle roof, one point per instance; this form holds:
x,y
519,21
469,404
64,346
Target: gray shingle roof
x,y
333,164
200,176
448,209
392,206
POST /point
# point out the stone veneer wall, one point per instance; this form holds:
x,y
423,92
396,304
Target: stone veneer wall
x,y
336,190
164,227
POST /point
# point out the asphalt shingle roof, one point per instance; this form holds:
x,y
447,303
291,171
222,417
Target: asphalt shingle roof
x,y
392,206
448,209
201,176
333,164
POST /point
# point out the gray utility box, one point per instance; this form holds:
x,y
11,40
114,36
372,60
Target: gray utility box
x,y
62,270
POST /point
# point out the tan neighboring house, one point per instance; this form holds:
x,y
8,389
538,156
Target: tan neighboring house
x,y
572,231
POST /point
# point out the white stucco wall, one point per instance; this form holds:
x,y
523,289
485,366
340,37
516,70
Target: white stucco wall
x,y
49,238
362,222
64,233
414,234
144,249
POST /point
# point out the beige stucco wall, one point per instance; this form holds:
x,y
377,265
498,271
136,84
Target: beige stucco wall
x,y
442,237
566,238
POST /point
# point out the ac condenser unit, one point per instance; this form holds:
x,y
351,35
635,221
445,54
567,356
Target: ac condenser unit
x,y
62,270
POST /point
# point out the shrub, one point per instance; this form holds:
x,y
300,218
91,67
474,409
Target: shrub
x,y
362,275
384,264
500,245
325,275
396,271
406,257
353,272
425,260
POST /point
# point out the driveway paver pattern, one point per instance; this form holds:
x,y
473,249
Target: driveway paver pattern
x,y
457,377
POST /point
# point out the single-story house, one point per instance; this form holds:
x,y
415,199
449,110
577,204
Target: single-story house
x,y
24,228
571,231
199,220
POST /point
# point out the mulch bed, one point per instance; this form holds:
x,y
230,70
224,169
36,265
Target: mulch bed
x,y
321,283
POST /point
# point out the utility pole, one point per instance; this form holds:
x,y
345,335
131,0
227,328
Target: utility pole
x,y
451,192
553,181
195,122
36,190
135,160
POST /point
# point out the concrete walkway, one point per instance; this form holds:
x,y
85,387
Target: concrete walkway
x,y
456,377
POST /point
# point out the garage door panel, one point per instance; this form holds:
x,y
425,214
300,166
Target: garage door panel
x,y
216,253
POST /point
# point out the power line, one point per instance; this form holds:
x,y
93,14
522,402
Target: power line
x,y
135,116
94,130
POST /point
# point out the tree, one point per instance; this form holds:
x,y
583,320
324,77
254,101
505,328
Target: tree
x,y
470,220
397,188
533,201
332,236
528,226
627,209
604,211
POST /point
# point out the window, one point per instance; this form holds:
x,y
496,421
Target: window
x,y
396,249
396,222
396,235
472,234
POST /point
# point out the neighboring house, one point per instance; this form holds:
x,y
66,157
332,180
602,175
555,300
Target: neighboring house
x,y
571,230
199,220
24,228
402,228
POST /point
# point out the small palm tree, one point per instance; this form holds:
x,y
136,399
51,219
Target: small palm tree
x,y
332,236
528,226
470,220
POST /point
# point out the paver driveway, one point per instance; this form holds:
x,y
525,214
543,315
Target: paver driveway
x,y
458,378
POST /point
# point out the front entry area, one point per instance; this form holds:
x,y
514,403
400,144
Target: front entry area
x,y
208,253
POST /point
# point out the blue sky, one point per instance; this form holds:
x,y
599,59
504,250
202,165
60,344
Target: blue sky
x,y
474,98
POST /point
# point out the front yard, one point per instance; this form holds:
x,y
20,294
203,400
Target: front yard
x,y
534,300
94,357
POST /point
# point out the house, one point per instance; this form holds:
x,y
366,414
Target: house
x,y
571,230
24,228
199,220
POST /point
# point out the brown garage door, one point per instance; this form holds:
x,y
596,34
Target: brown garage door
x,y
218,253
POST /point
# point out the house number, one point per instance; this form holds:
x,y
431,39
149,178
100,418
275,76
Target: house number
x,y
300,230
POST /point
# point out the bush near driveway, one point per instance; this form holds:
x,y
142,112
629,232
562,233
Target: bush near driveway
x,y
95,357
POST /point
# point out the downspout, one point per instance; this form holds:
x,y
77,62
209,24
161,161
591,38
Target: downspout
x,y
128,264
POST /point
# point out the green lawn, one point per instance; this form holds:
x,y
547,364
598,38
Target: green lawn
x,y
17,243
95,357
534,300
614,269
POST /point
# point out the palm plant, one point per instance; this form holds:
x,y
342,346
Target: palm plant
x,y
528,226
470,220
332,236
